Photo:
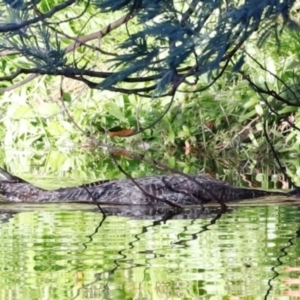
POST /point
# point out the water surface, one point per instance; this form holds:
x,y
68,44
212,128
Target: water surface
x,y
73,252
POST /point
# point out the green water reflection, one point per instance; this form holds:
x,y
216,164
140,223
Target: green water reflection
x,y
250,252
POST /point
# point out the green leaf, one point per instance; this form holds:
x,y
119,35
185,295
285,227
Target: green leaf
x,y
171,161
247,116
259,109
171,136
56,129
115,111
47,109
288,109
67,97
56,159
21,112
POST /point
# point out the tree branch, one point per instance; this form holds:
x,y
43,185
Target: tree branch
x,y
49,14
99,34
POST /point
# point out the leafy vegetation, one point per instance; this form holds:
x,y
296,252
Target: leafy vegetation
x,y
210,118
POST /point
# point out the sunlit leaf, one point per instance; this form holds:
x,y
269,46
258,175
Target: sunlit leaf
x,y
115,111
22,112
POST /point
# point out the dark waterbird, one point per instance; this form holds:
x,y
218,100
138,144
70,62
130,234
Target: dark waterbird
x,y
176,189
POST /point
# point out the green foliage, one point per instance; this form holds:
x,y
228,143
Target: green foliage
x,y
193,31
40,121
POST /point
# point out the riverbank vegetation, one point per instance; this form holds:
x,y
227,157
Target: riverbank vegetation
x,y
59,122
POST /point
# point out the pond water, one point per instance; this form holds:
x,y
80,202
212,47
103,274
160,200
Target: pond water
x,y
73,252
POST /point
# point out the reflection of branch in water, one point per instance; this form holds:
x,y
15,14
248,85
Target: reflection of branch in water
x,y
168,215
195,235
284,252
101,210
89,241
95,232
